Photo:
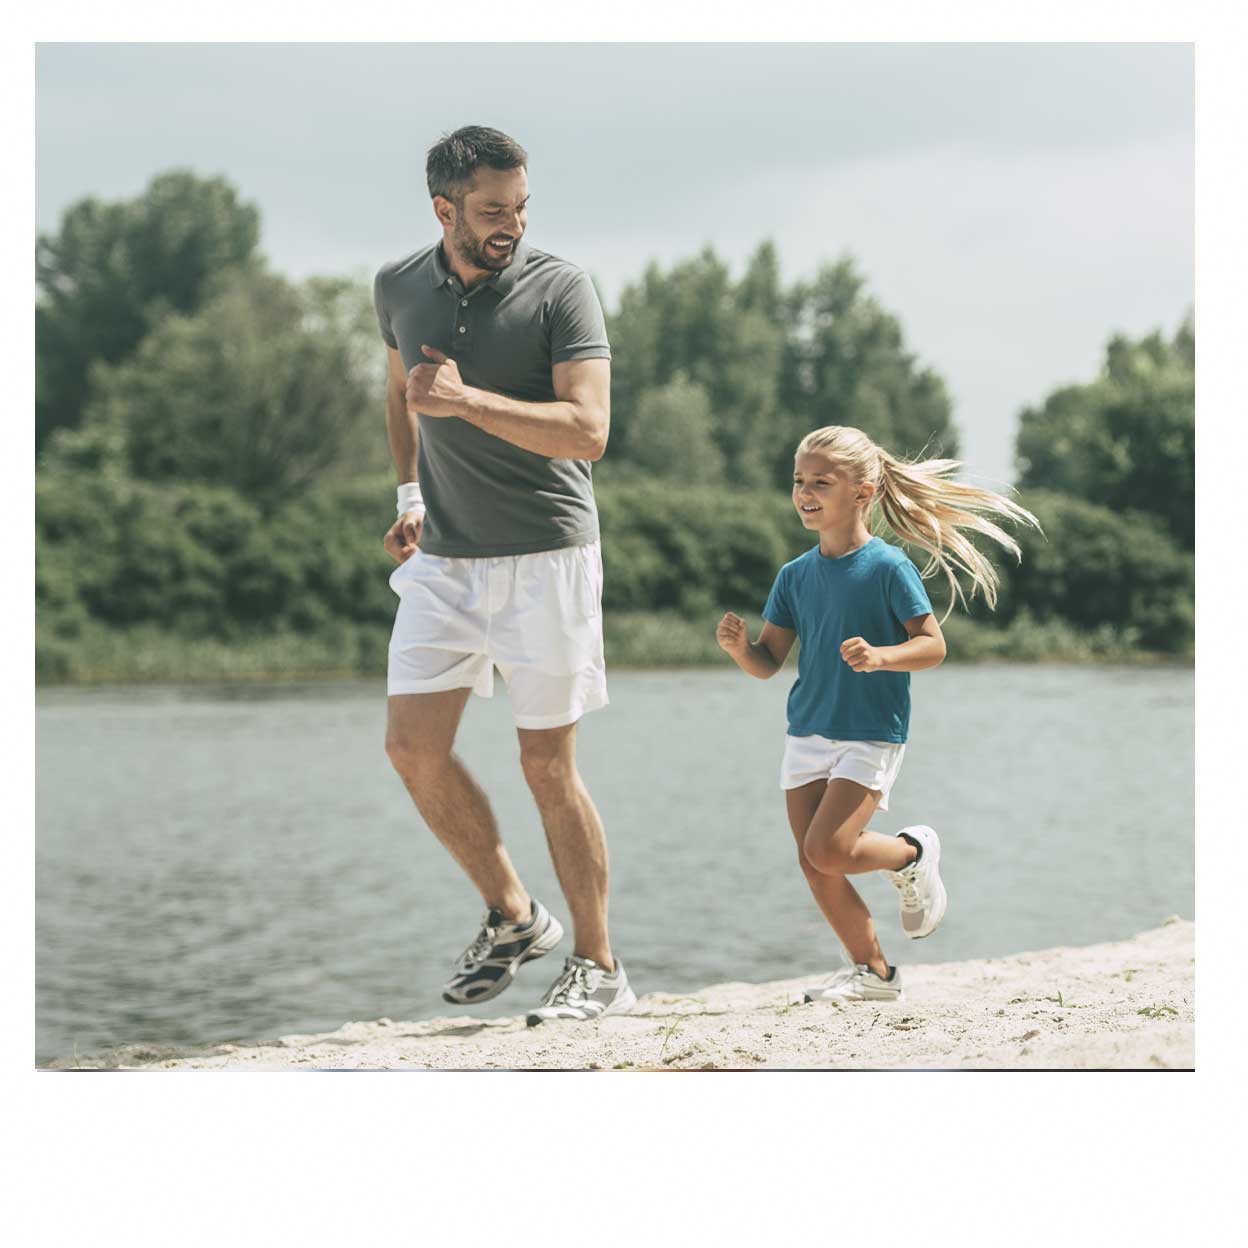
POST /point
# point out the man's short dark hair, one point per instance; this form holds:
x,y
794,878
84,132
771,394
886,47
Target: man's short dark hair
x,y
455,158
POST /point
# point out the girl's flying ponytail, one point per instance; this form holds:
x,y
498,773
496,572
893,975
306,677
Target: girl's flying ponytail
x,y
925,508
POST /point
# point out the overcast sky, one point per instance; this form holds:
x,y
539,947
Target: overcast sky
x,y
1013,204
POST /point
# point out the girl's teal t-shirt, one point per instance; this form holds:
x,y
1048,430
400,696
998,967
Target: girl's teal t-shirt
x,y
867,593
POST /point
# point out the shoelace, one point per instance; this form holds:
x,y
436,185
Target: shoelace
x,y
480,948
572,985
908,887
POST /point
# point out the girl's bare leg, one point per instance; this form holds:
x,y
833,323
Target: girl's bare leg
x,y
829,820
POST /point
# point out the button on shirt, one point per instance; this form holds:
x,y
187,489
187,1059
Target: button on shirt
x,y
486,497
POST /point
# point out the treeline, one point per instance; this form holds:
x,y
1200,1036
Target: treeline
x,y
717,380
213,480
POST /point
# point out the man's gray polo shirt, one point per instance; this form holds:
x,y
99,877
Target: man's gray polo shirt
x,y
485,496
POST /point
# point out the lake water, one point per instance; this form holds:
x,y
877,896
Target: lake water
x,y
237,864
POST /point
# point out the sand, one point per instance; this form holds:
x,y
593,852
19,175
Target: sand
x,y
1125,1005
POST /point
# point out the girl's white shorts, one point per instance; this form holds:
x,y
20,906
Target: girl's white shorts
x,y
537,618
873,764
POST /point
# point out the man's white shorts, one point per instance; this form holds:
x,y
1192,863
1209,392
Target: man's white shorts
x,y
873,764
537,617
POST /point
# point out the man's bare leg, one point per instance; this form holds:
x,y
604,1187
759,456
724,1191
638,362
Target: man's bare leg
x,y
420,734
578,845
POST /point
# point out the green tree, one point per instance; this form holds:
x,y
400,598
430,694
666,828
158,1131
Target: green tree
x,y
114,270
774,363
691,322
671,434
342,308
846,363
261,390
1126,440
760,288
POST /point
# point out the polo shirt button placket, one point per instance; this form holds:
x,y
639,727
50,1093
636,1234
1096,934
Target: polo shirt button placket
x,y
461,328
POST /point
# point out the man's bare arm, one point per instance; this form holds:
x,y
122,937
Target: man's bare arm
x,y
575,426
403,432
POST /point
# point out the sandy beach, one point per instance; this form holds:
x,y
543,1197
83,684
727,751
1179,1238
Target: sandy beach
x,y
1125,1005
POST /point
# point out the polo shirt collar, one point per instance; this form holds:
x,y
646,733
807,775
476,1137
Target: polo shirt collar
x,y
439,274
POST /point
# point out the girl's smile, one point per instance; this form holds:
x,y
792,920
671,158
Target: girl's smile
x,y
826,498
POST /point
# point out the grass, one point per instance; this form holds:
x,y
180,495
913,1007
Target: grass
x,y
667,1035
1158,1011
147,655
633,639
661,639
670,639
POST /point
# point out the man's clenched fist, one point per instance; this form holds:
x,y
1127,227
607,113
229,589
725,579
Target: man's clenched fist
x,y
435,389
403,536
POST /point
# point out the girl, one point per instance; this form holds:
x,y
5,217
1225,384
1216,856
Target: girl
x,y
865,623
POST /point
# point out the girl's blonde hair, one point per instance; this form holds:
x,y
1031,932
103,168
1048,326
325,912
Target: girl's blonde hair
x,y
925,508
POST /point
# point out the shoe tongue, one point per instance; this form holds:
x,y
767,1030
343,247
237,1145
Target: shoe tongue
x,y
573,960
494,917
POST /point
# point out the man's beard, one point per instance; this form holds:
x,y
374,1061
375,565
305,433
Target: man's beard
x,y
474,253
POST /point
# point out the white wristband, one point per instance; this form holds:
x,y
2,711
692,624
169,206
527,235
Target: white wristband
x,y
409,499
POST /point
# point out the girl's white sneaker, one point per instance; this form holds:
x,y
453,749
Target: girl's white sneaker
x,y
858,983
923,896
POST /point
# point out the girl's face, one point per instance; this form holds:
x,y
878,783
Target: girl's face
x,y
824,494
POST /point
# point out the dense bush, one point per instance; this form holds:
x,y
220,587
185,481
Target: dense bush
x,y
1095,566
205,565
695,548
213,481
203,562
1128,439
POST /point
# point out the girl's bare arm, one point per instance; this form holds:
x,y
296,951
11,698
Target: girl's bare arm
x,y
762,658
926,648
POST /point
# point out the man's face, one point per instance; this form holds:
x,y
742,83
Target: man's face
x,y
490,220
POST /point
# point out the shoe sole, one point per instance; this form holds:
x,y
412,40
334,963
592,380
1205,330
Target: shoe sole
x,y
938,911
809,1000
543,945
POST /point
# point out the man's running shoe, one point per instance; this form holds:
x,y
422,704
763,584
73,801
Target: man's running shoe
x,y
923,895
584,990
858,983
490,963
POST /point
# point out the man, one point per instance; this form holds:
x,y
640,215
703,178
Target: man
x,y
498,400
